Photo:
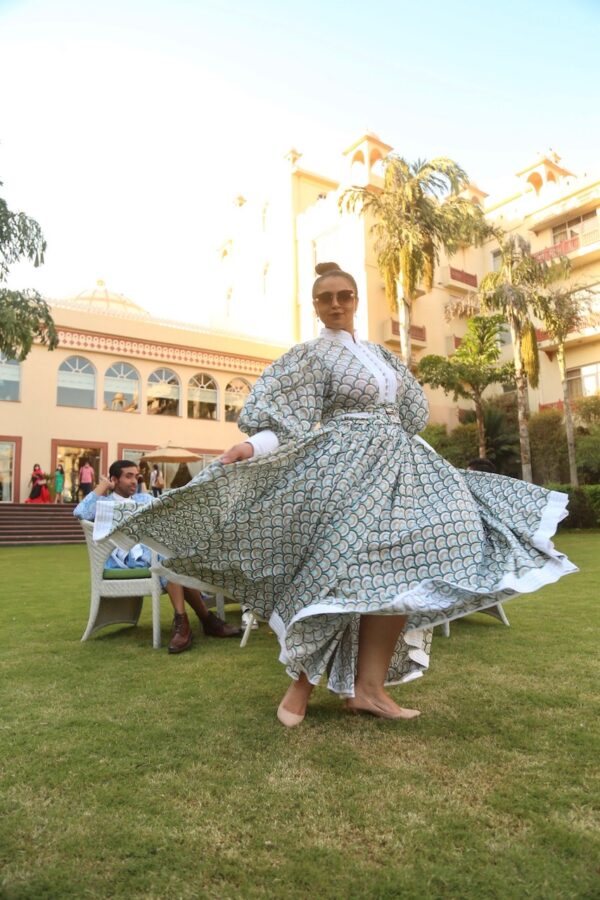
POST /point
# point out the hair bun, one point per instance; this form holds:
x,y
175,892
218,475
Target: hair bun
x,y
325,268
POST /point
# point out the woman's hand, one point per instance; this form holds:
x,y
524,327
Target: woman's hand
x,y
237,453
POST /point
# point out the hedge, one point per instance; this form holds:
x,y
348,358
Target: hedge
x,y
584,504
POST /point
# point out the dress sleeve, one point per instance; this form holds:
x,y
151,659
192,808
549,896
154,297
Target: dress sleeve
x,y
288,397
414,408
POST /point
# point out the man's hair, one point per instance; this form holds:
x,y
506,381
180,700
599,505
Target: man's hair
x,y
118,466
481,465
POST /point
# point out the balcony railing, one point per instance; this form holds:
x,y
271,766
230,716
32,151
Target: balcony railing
x,y
563,248
560,249
463,277
417,332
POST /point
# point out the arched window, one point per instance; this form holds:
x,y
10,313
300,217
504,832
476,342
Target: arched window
x,y
76,383
235,396
163,393
202,397
122,388
357,171
10,378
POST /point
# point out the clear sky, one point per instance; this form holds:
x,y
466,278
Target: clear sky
x,y
127,127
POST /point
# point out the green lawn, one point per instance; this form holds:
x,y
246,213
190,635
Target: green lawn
x,y
129,772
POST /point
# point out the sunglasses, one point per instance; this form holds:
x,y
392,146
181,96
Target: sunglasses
x,y
326,297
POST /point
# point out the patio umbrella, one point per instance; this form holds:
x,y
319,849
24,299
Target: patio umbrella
x,y
170,454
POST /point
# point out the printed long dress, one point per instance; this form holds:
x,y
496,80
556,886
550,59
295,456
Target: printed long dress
x,y
350,514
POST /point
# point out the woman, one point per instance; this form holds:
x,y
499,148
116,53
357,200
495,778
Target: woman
x,y
59,483
343,529
39,492
156,481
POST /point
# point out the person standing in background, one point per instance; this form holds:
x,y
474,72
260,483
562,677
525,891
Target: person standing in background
x,y
87,478
59,484
156,481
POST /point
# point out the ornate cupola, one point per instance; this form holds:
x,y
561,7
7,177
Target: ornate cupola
x,y
365,157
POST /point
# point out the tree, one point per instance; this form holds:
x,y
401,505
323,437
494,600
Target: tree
x,y
501,435
562,311
516,290
24,315
472,368
417,214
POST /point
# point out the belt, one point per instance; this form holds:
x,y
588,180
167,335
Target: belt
x,y
385,414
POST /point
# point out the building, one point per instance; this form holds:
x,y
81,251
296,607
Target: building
x,y
120,382
555,210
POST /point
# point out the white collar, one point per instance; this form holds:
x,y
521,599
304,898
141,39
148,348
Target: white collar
x,y
339,335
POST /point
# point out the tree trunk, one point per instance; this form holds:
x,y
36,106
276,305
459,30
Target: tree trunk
x,y
480,427
522,409
404,322
560,355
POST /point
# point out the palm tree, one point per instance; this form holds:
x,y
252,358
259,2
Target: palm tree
x,y
562,311
473,368
517,290
417,214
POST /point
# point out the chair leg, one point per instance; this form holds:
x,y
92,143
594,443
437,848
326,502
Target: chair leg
x,y
446,629
156,619
502,614
94,608
248,629
220,601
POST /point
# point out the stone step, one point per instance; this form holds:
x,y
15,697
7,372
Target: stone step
x,y
24,524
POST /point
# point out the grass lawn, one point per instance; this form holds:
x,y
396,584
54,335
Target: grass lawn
x,y
129,772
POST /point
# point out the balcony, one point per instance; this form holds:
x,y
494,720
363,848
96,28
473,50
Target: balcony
x,y
391,333
581,248
457,279
589,335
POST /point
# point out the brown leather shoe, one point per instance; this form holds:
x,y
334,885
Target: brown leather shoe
x,y
181,634
215,627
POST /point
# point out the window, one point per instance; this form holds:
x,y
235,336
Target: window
x,y
163,393
8,454
496,260
572,228
10,378
76,383
235,396
121,388
202,397
583,381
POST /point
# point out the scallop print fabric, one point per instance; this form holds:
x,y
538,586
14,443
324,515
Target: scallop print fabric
x,y
351,514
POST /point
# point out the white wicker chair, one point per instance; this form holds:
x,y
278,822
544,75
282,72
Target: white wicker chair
x,y
496,611
118,600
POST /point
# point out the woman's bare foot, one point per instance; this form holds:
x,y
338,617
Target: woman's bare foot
x,y
380,704
292,708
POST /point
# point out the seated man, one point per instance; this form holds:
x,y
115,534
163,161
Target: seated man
x,y
123,483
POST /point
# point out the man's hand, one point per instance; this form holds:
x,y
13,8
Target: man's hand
x,y
103,486
237,453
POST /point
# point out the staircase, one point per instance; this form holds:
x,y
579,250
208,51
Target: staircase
x,y
43,523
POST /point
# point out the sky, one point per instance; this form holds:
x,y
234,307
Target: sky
x,y
127,128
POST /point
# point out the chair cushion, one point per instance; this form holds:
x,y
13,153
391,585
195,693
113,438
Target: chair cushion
x,y
122,574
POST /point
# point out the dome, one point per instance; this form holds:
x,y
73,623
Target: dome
x,y
100,300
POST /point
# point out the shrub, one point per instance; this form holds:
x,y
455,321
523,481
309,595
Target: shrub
x,y
584,504
587,454
458,447
587,410
436,435
548,440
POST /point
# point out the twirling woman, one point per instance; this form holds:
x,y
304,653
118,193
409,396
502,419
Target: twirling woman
x,y
350,535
